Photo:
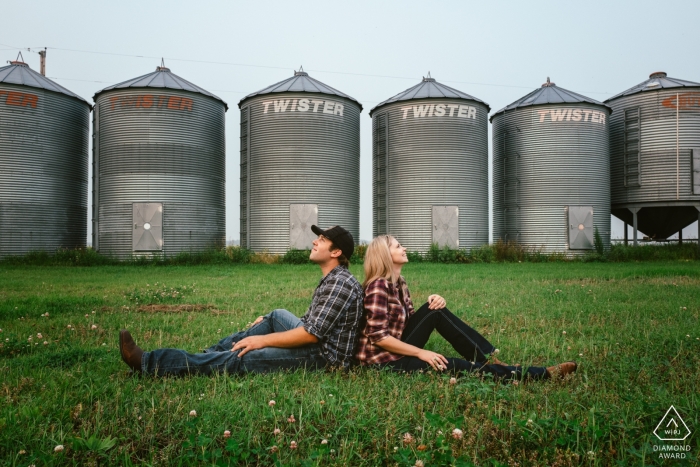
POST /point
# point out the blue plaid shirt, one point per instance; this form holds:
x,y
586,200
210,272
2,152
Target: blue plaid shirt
x,y
334,316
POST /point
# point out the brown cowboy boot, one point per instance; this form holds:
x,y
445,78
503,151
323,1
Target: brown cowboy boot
x,y
562,369
131,353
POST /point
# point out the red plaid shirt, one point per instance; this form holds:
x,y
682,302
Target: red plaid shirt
x,y
387,308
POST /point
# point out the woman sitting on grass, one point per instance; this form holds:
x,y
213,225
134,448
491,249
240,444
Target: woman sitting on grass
x,y
393,334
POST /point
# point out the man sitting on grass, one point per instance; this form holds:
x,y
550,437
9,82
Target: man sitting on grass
x,y
324,337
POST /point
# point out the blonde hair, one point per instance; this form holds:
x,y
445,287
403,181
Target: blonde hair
x,y
378,263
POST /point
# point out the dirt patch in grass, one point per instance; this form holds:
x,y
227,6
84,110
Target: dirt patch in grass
x,y
180,308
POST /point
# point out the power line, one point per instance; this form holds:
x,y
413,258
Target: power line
x,y
213,62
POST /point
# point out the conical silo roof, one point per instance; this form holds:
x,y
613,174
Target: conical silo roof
x,y
299,82
549,93
162,78
428,88
19,73
657,80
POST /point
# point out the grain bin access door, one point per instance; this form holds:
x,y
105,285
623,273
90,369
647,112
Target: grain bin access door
x,y
696,171
148,227
301,218
446,226
580,227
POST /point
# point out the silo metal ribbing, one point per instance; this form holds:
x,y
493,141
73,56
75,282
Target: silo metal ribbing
x,y
430,168
158,152
551,172
655,154
300,163
43,164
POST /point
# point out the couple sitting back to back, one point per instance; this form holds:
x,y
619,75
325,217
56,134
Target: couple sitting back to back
x,y
338,330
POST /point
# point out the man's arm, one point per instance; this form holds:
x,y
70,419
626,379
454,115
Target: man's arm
x,y
296,337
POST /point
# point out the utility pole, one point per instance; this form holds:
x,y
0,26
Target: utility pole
x,y
42,68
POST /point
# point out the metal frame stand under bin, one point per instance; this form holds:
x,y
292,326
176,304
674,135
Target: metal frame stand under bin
x,y
634,212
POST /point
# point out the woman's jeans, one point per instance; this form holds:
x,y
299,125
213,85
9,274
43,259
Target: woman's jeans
x,y
220,359
472,346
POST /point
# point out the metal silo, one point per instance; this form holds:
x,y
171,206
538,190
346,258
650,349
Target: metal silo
x,y
551,171
158,167
44,132
655,155
300,163
430,167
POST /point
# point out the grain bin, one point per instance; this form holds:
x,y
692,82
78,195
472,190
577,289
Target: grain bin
x,y
158,168
430,167
655,155
300,163
551,171
44,132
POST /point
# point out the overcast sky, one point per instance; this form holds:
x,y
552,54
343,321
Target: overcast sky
x,y
497,51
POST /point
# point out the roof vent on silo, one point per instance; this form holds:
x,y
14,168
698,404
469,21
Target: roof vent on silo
x,y
548,83
428,79
162,66
658,74
301,72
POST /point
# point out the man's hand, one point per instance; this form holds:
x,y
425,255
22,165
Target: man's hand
x,y
248,344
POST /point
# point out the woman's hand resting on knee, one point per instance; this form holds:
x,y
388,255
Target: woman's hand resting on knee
x,y
435,302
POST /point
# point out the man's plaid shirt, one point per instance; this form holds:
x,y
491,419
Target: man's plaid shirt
x,y
334,316
387,309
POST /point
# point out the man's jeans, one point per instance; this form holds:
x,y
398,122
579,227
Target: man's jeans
x,y
219,358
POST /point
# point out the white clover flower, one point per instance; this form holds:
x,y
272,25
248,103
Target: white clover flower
x,y
193,413
58,448
453,380
563,332
293,445
324,441
276,431
227,434
274,449
39,336
457,433
46,343
271,403
291,419
407,438
93,327
419,463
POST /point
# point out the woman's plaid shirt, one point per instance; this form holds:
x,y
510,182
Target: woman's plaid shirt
x,y
334,316
385,315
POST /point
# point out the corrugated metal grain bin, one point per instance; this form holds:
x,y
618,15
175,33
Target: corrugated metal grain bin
x,y
655,154
430,167
300,163
551,171
158,167
44,132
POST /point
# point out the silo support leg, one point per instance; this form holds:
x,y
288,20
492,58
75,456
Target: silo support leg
x,y
698,208
634,224
626,234
680,237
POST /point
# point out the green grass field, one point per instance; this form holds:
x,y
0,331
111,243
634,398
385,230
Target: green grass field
x,y
633,328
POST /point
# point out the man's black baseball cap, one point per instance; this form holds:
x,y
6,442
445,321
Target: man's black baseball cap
x,y
340,238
